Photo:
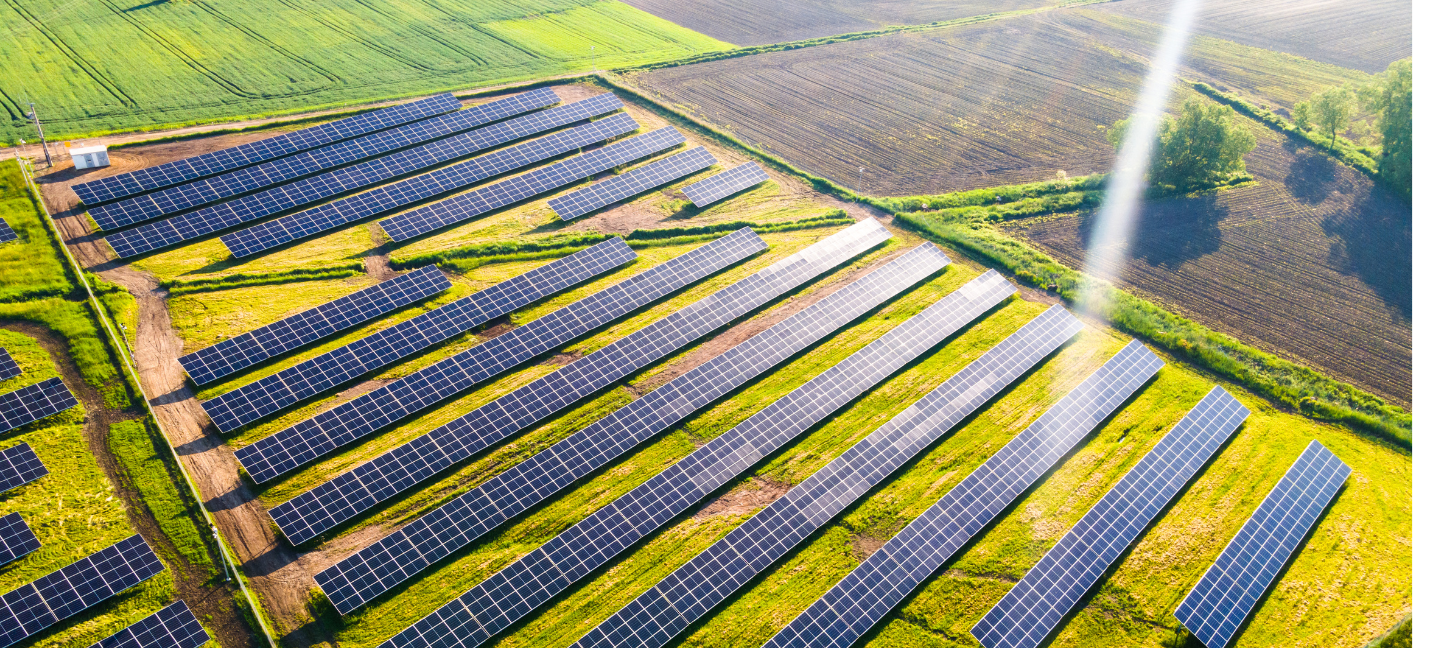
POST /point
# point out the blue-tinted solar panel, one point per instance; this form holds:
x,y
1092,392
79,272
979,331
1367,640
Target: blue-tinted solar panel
x,y
725,184
80,585
201,192
413,191
243,210
19,465
127,184
508,192
335,501
632,183
1031,610
866,595
1232,587
251,348
694,589
526,584
16,538
7,234
334,368
8,368
382,565
30,404
173,627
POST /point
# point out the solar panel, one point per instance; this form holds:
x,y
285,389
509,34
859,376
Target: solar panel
x,y
632,183
413,191
214,218
316,375
200,192
16,538
725,184
87,582
119,186
7,234
173,627
519,588
19,466
689,592
253,347
30,404
860,600
1031,610
508,192
1232,587
339,499
384,564
8,368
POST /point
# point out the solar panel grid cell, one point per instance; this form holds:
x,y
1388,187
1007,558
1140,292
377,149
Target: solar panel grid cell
x,y
32,403
522,586
61,594
859,601
377,568
631,183
703,582
16,538
199,192
19,465
8,368
254,347
725,184
328,505
164,175
6,234
1031,610
173,627
1232,587
508,192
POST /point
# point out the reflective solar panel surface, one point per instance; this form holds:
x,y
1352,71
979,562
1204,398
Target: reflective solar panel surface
x,y
413,191
8,368
858,602
725,184
1031,610
32,403
631,183
87,582
1232,587
164,175
173,627
16,538
200,192
706,580
508,192
243,210
7,234
253,347
19,465
524,585
402,554
303,442
333,502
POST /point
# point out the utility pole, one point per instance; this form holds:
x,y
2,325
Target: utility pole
x,y
35,117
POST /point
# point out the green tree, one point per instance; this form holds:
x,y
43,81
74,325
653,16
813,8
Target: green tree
x,y
1390,98
1332,109
1302,115
1202,147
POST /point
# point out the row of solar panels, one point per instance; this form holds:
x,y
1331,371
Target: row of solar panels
x,y
32,402
195,204
6,234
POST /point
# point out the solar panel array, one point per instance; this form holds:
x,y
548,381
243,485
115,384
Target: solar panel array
x,y
119,186
725,184
18,466
631,183
80,585
519,588
253,347
16,538
273,201
859,601
508,192
173,627
7,234
1232,587
400,555
32,403
335,501
1031,610
684,596
8,368
303,442
410,191
200,192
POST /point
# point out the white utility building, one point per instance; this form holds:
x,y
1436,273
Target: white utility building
x,y
89,157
